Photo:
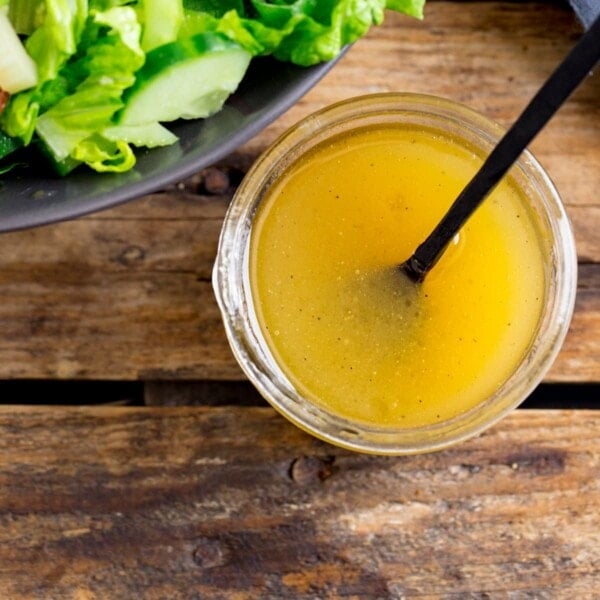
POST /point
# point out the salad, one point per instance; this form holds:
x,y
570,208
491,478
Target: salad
x,y
85,81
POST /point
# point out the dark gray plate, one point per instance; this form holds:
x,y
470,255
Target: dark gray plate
x,y
31,196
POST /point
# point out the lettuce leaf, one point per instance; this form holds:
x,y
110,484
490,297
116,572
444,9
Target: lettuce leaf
x,y
87,53
319,33
412,8
304,32
50,46
215,8
162,20
111,56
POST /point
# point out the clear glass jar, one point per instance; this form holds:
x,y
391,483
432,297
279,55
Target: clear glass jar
x,y
232,286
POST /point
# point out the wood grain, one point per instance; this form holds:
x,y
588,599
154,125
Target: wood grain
x,y
237,503
132,299
125,294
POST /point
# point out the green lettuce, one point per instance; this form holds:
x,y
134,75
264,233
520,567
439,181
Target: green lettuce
x,y
304,32
162,21
111,56
88,52
50,46
215,8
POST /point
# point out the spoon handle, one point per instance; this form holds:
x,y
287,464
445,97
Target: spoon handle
x,y
568,75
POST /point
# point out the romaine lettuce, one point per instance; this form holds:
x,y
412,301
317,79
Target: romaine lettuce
x,y
88,52
50,46
111,56
304,32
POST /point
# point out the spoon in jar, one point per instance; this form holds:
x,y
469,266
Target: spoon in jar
x,y
555,91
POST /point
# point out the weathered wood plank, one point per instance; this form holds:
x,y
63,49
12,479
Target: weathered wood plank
x,y
133,300
124,294
236,503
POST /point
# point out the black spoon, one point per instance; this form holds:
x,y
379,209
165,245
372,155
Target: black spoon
x,y
559,86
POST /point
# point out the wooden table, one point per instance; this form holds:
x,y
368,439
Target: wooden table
x,y
168,477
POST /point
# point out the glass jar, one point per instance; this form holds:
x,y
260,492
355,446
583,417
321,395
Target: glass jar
x,y
232,287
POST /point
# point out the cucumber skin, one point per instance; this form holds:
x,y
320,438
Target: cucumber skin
x,y
165,56
60,167
152,135
160,61
8,144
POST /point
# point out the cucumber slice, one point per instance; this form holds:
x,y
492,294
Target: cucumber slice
x,y
150,135
186,79
162,20
61,166
17,69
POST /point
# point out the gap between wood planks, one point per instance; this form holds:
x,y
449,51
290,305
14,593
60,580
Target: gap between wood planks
x,y
224,393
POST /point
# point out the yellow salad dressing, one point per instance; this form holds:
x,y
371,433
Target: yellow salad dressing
x,y
342,323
